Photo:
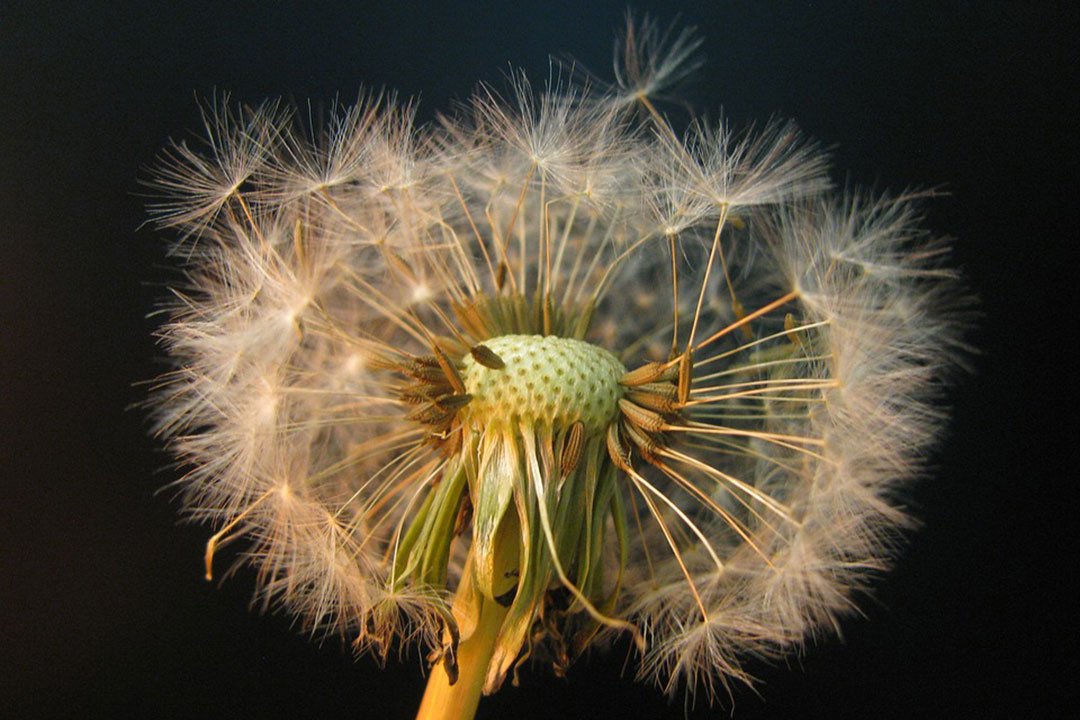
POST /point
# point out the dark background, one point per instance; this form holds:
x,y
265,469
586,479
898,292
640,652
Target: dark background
x,y
103,610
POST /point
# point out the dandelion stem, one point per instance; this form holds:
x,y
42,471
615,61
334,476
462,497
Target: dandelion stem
x,y
458,701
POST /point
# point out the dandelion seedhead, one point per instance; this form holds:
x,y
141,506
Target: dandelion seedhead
x,y
546,372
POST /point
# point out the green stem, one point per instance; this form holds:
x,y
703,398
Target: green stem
x,y
458,701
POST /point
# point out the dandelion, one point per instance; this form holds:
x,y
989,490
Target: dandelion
x,y
546,373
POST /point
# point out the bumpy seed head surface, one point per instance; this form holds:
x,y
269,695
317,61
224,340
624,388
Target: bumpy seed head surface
x,y
545,381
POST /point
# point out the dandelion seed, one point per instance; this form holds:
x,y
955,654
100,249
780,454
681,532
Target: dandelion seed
x,y
546,373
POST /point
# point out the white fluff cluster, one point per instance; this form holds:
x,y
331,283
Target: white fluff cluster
x,y
785,345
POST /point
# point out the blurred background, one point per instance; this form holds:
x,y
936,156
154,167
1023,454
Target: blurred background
x,y
103,609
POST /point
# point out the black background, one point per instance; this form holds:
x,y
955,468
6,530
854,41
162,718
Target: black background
x,y
103,611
